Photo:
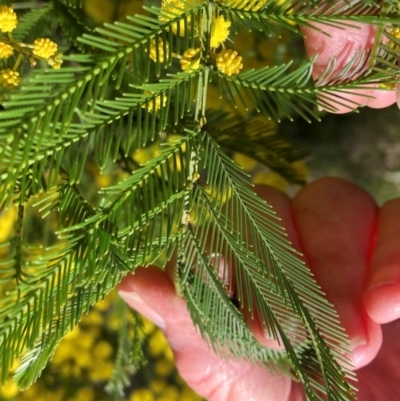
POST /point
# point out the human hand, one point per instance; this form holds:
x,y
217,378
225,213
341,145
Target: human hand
x,y
334,223
342,46
338,253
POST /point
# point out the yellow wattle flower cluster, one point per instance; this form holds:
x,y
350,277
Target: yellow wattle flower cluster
x,y
6,50
8,19
220,32
55,61
161,54
44,47
229,62
395,32
172,9
9,78
189,60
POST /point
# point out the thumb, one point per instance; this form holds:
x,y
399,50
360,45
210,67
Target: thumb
x,y
152,294
339,46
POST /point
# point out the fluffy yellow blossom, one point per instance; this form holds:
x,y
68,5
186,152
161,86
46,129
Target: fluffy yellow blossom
x,y
6,50
7,221
158,345
188,60
44,47
55,61
156,105
172,9
161,54
9,78
8,19
101,370
84,394
103,349
163,367
229,62
220,31
387,85
158,384
168,394
142,394
9,389
395,32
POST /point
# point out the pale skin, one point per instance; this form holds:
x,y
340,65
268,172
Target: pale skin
x,y
351,246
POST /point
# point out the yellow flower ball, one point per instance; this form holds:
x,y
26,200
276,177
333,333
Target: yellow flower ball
x,y
9,78
101,371
172,9
161,54
189,61
163,367
395,32
55,61
6,50
7,221
84,394
103,350
44,47
229,62
154,105
8,19
220,31
142,394
9,389
158,385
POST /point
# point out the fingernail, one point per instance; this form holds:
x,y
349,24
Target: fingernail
x,y
137,303
357,342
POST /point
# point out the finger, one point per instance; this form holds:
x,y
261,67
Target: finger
x,y
341,46
380,380
150,292
382,299
335,222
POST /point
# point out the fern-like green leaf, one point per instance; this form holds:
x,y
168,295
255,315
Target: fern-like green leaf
x,y
264,265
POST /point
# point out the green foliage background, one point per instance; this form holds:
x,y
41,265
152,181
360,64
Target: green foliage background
x,y
74,239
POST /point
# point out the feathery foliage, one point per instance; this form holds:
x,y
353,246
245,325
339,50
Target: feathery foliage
x,y
123,87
